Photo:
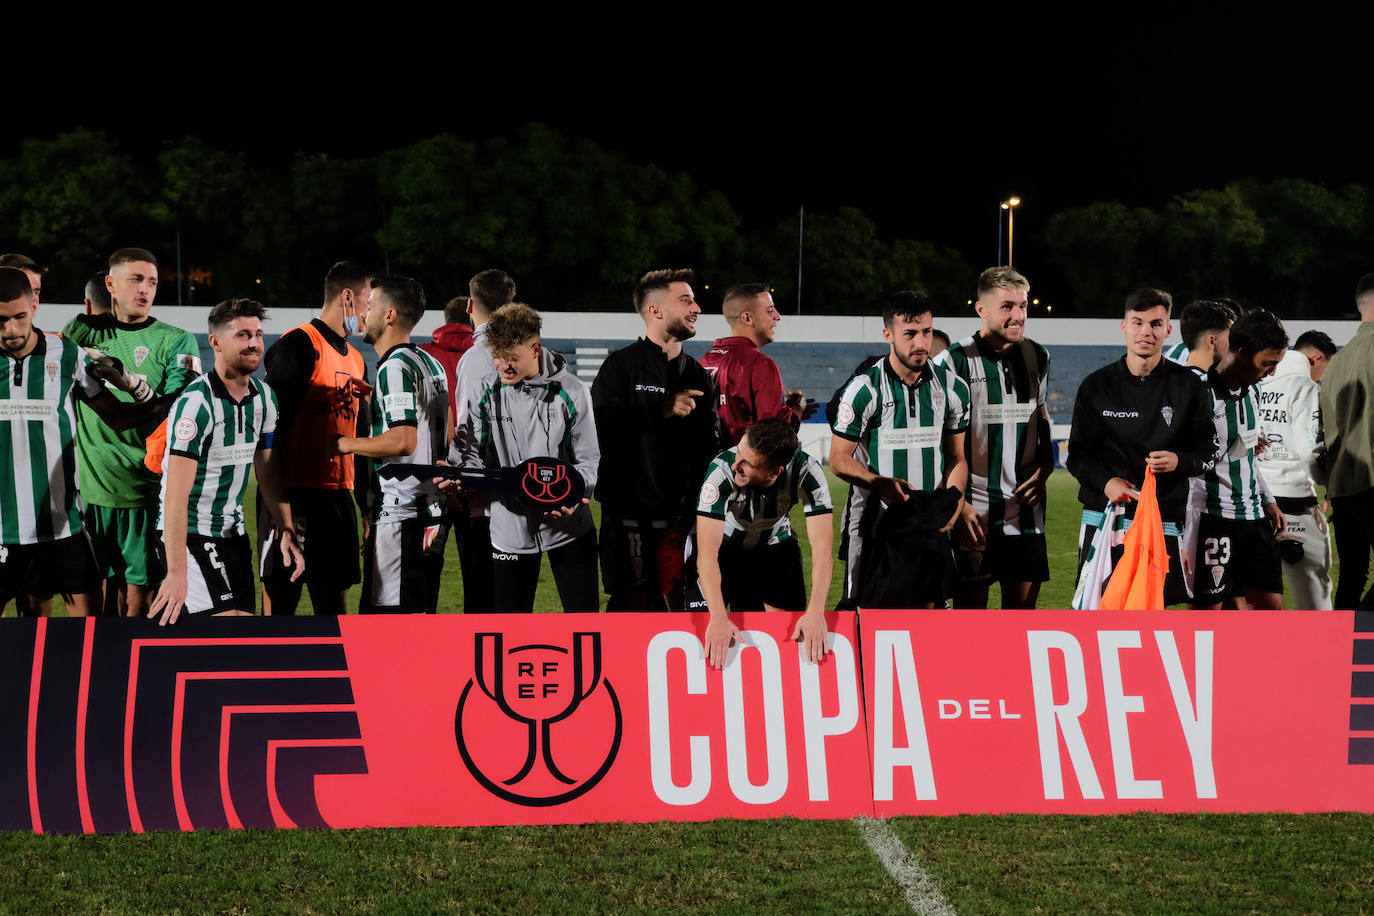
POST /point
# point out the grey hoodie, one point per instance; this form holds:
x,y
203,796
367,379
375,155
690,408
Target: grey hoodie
x,y
549,415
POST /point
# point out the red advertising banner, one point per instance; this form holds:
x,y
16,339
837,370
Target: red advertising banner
x,y
116,725
1103,712
597,717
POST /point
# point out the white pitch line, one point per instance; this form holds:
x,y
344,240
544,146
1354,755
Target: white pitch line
x,y
916,883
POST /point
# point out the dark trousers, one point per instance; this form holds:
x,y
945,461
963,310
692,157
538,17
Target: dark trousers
x,y
472,539
1353,520
516,577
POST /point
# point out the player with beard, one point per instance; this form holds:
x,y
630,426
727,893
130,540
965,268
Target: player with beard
x,y
899,439
320,382
1237,554
403,553
221,426
43,545
120,490
1001,534
656,423
1142,410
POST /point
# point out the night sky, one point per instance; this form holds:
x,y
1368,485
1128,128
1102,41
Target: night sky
x,y
924,119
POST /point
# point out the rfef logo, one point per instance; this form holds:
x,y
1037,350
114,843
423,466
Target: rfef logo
x,y
538,724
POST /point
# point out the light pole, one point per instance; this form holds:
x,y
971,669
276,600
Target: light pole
x,y
1010,206
998,260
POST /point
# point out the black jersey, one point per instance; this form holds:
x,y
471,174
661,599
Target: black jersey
x,y
1119,418
652,466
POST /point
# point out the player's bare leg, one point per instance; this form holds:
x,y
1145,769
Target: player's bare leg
x,y
1019,595
32,606
85,604
137,599
974,599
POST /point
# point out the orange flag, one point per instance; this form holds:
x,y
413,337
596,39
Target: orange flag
x,y
1137,582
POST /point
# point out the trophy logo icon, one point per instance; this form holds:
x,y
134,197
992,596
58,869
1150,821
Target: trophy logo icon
x,y
538,724
546,483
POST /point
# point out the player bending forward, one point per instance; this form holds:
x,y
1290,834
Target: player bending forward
x,y
746,553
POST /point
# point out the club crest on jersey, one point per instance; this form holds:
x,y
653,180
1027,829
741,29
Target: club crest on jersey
x,y
51,368
140,354
1168,413
1217,572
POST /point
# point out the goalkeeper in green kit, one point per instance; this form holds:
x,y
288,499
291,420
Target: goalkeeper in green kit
x,y
140,359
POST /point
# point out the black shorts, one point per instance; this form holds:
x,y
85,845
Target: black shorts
x,y
50,568
1004,558
326,524
750,578
219,573
1235,554
642,557
1175,586
402,562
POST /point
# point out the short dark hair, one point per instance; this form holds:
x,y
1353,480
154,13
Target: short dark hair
x,y
343,275
1316,340
1204,316
14,284
941,335
456,311
97,291
225,312
655,280
491,289
406,296
774,439
22,262
1256,330
129,255
910,304
732,306
510,326
1147,297
1365,285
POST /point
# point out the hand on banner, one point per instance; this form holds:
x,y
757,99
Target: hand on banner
x,y
1161,462
1120,490
720,633
810,632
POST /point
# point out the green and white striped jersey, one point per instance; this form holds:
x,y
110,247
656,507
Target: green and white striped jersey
x,y
1232,488
412,390
38,497
222,436
1007,393
168,359
899,427
755,515
1177,353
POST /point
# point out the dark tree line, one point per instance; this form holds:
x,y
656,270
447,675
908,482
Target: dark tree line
x,y
576,223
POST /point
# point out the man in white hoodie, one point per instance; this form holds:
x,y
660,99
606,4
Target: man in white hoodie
x,y
1290,423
